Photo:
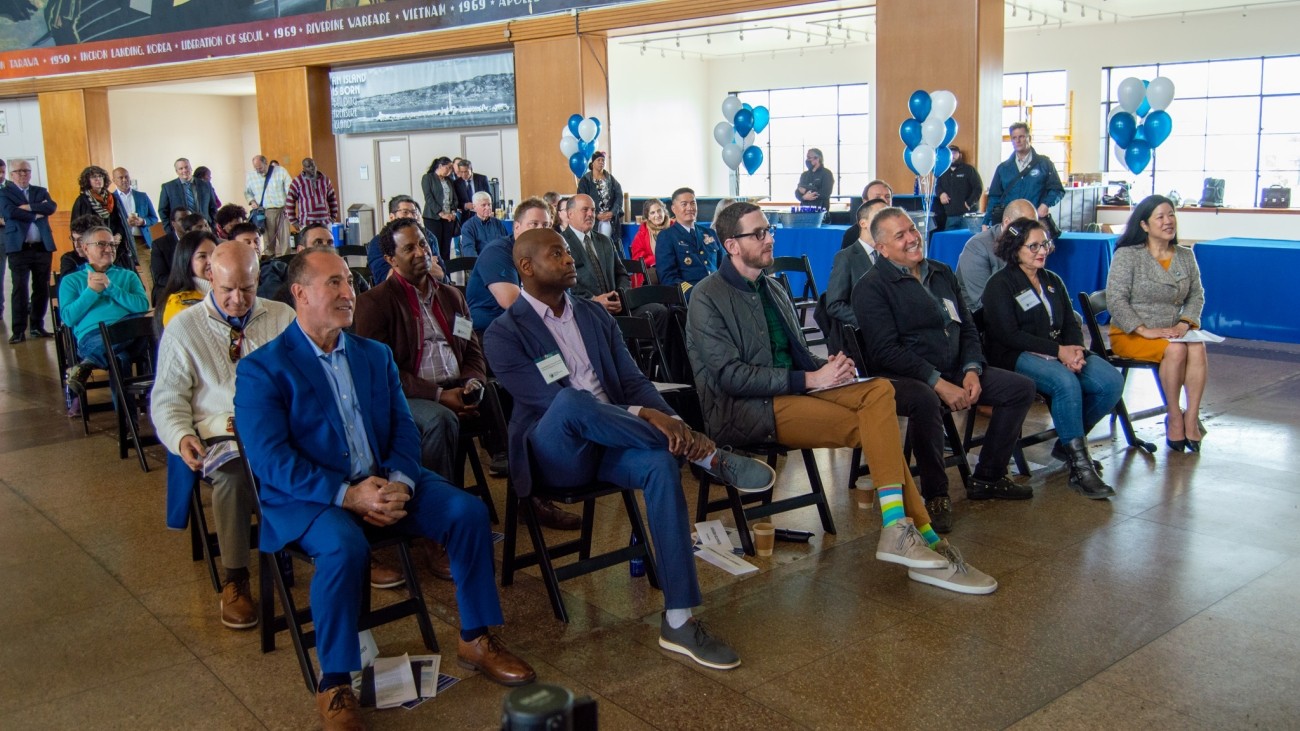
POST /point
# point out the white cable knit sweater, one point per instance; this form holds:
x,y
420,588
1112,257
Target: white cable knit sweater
x,y
194,387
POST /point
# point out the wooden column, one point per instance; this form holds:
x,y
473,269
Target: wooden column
x,y
293,118
74,126
555,78
939,44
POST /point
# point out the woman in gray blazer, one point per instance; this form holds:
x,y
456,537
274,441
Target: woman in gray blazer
x,y
1154,294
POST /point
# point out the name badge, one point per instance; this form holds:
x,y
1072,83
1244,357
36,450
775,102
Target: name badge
x,y
1028,300
952,310
463,328
552,367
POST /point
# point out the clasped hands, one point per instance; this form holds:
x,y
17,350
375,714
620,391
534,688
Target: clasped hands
x,y
682,440
840,369
1158,333
378,501
1072,356
960,397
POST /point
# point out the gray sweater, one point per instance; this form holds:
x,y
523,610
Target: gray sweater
x,y
1140,292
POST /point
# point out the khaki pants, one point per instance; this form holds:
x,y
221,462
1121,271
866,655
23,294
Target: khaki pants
x,y
862,415
276,240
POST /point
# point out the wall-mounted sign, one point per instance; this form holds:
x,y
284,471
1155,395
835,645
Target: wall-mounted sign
x,y
468,91
72,36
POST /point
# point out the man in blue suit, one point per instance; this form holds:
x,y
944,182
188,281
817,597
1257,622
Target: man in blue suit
x,y
29,249
353,459
187,191
686,253
136,209
584,411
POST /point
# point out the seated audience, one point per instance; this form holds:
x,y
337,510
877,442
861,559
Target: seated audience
x,y
274,272
846,269
313,235
686,252
601,275
164,247
923,337
400,206
193,402
98,292
560,219
1031,329
584,411
73,260
482,228
979,260
654,215
228,216
1154,295
493,284
323,497
191,275
759,382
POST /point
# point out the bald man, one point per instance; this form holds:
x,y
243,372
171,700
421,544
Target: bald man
x,y
137,213
978,262
193,407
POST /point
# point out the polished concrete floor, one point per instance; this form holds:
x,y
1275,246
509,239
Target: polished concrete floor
x,y
1172,605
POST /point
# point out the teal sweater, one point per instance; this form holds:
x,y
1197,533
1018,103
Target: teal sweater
x,y
82,308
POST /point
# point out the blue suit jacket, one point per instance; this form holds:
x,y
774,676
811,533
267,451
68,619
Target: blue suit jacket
x,y
681,257
144,209
291,430
17,219
513,343
173,196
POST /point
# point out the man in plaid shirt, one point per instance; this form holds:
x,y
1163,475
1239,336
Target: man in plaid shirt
x,y
311,198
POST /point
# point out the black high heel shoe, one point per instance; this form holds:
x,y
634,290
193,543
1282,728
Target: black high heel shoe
x,y
1194,445
1182,444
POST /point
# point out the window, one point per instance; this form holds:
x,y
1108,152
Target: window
x,y
833,119
1040,98
1235,119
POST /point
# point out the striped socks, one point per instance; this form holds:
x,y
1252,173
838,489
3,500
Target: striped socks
x,y
931,538
891,503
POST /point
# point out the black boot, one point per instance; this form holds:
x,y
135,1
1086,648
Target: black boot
x,y
1083,476
1058,451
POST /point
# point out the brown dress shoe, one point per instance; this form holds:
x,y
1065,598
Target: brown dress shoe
x,y
551,515
238,610
339,709
384,577
438,560
488,655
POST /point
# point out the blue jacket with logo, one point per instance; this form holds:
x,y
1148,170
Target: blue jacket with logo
x,y
1039,184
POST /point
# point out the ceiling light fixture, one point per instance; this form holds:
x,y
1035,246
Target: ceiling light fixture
x,y
1064,7
678,41
742,34
1015,9
787,33
708,38
1031,15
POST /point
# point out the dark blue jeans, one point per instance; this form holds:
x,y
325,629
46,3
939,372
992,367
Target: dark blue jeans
x,y
1079,400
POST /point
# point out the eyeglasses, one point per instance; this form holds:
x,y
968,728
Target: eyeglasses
x,y
1047,246
759,234
236,345
102,245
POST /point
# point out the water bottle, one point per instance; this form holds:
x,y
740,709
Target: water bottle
x,y
635,567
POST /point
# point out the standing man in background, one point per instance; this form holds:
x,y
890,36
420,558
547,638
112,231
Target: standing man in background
x,y
468,183
1026,174
29,249
189,192
816,184
311,198
137,214
267,187
959,189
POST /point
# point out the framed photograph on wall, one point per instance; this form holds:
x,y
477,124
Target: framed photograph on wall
x,y
467,91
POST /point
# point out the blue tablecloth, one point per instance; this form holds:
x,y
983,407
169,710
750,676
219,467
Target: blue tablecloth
x,y
1081,260
1246,282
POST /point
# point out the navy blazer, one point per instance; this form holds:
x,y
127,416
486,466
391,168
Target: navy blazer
x,y
687,256
17,219
144,209
290,426
173,196
518,338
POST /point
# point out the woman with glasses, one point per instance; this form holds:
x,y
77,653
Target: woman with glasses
x,y
191,275
1154,295
97,200
1030,328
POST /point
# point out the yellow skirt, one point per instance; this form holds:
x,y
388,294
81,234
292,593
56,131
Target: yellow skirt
x,y
1132,345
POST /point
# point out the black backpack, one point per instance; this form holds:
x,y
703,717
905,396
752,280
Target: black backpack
x,y
1212,194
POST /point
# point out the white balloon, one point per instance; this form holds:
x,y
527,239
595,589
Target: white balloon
x,y
1131,93
730,106
1160,93
923,158
1119,157
942,104
587,130
723,133
732,154
749,140
566,132
932,131
568,146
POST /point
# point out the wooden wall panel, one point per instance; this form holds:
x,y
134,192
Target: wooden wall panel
x,y
75,130
293,118
552,81
937,44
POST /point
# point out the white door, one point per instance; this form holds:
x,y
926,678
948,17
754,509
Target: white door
x,y
484,150
394,158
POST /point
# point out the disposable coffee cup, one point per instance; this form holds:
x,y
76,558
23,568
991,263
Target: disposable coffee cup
x,y
764,538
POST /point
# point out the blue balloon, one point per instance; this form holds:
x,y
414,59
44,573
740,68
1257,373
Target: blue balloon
x,y
599,127
577,164
586,149
949,132
743,122
746,105
907,159
574,121
942,160
761,118
1156,127
1137,156
1145,106
910,132
919,105
1123,129
1140,134
753,157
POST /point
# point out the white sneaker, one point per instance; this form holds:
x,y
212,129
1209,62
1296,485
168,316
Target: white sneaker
x,y
901,543
957,576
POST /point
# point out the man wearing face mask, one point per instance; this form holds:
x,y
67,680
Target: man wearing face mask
x,y
959,189
816,184
311,198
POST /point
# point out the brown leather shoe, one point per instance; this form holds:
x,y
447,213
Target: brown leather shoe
x,y
551,515
488,655
438,560
238,610
384,577
339,709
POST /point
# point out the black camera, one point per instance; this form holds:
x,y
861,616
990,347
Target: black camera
x,y
542,707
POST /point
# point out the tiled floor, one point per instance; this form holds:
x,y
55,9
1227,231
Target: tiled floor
x,y
1173,605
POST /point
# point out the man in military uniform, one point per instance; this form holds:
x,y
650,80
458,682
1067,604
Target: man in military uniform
x,y
685,252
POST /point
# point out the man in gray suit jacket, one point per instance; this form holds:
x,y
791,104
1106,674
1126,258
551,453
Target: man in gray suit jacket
x,y
848,267
604,277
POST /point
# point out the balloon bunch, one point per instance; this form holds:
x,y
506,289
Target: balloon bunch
x,y
1145,101
578,142
737,136
929,131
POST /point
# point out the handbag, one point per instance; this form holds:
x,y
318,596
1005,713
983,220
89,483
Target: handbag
x,y
257,216
1275,196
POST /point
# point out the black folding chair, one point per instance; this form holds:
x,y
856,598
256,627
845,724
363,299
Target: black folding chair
x,y
355,256
635,267
677,388
139,337
273,568
806,300
65,350
487,427
663,294
361,279
204,545
1094,305
460,264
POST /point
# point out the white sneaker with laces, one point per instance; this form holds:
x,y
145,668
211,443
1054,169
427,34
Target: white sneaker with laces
x,y
901,543
957,576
